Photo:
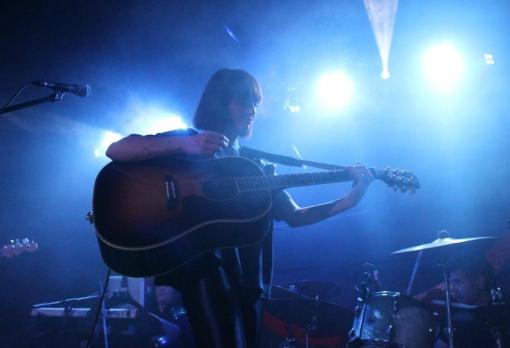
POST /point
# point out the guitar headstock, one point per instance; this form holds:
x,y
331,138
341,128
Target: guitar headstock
x,y
399,179
18,246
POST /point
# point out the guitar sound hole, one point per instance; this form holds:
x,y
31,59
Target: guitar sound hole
x,y
219,189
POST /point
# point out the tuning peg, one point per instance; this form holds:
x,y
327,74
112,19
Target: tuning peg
x,y
90,217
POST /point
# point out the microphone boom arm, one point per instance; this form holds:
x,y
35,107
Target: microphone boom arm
x,y
51,98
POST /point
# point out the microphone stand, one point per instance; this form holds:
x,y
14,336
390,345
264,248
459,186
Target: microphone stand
x,y
51,98
67,302
104,314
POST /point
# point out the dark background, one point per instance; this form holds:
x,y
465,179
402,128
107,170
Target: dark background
x,y
139,57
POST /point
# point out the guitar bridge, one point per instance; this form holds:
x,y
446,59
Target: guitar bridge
x,y
171,193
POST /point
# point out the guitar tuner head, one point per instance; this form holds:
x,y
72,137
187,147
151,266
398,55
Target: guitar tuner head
x,y
399,179
18,246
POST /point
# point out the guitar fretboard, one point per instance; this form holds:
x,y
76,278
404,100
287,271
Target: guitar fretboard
x,y
271,182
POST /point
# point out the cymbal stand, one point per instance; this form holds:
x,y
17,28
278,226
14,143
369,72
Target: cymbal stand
x,y
413,273
446,276
312,325
496,331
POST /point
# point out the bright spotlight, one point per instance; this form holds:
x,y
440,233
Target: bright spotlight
x,y
107,138
443,66
292,101
334,90
489,59
154,119
381,14
162,124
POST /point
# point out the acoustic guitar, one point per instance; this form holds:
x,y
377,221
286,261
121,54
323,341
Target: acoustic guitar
x,y
151,217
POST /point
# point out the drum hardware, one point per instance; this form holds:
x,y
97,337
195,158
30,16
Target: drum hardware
x,y
497,296
290,340
443,240
361,280
413,273
315,289
486,325
390,319
310,327
496,315
455,305
289,317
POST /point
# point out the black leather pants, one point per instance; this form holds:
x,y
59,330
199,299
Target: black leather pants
x,y
222,314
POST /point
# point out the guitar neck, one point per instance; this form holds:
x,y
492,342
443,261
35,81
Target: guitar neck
x,y
272,182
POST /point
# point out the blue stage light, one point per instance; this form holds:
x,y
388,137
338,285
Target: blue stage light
x,y
107,138
489,59
154,119
334,91
142,120
444,67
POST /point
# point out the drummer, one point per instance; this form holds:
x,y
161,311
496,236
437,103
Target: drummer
x,y
471,280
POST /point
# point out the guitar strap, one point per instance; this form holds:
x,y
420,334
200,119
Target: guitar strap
x,y
286,160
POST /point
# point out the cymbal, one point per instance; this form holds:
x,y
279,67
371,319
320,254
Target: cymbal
x,y
439,243
316,288
498,314
458,305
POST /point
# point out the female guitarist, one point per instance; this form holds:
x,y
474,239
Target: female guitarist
x,y
222,288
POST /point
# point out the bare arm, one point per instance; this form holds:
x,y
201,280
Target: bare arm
x,y
142,147
296,216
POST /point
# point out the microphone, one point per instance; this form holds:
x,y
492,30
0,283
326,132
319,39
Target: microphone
x,y
79,90
367,277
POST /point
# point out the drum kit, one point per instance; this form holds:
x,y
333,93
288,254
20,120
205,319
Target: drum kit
x,y
394,319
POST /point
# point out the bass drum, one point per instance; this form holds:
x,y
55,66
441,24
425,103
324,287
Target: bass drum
x,y
388,319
